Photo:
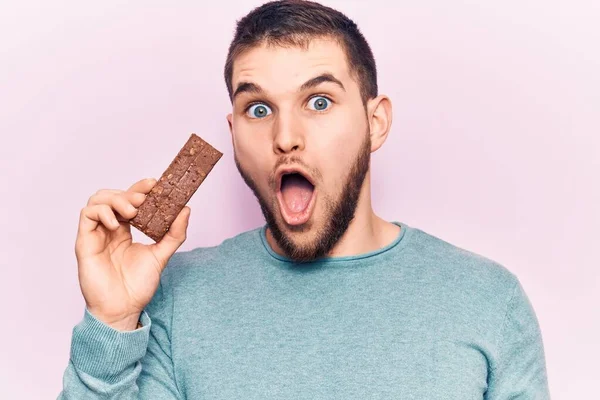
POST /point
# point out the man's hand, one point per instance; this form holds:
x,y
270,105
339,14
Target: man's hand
x,y
118,277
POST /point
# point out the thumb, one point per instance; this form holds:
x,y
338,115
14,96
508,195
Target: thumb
x,y
174,238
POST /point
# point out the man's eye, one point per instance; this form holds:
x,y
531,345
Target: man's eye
x,y
258,111
319,103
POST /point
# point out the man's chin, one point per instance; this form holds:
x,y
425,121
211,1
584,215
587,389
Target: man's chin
x,y
297,242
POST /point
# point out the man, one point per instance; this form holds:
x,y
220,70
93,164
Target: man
x,y
327,301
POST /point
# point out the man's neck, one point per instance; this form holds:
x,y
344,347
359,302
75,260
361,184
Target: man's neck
x,y
366,233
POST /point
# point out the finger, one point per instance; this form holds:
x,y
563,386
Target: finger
x,y
92,216
143,186
120,202
101,193
109,191
103,197
135,198
174,238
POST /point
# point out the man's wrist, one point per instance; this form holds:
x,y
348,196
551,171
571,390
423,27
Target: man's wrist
x,y
129,323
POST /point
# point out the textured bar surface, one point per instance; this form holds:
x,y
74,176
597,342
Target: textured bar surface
x,y
175,187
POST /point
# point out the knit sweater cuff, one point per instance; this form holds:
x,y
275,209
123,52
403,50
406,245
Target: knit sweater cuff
x,y
106,353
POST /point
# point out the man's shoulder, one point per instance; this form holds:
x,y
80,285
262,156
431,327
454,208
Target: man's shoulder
x,y
454,264
207,258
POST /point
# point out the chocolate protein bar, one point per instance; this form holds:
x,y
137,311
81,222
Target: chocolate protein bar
x,y
175,187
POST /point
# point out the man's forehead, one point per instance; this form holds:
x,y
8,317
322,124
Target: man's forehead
x,y
290,65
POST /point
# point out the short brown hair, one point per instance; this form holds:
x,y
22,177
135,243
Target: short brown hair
x,y
295,23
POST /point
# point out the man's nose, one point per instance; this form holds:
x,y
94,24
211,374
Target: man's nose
x,y
288,134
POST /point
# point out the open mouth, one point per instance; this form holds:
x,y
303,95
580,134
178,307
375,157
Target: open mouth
x,y
296,196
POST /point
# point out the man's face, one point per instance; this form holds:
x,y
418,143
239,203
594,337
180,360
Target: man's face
x,y
301,142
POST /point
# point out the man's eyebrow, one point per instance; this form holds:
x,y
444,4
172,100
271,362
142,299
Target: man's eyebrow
x,y
317,80
249,87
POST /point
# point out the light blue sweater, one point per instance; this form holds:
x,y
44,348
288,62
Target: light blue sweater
x,y
418,319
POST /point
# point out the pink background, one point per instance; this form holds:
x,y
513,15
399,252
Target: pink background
x,y
495,147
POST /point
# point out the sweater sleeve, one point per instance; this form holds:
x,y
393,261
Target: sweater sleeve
x,y
519,372
109,364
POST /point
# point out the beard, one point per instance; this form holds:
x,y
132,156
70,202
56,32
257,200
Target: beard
x,y
339,212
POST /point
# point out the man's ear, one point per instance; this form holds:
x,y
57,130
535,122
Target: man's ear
x,y
230,123
379,113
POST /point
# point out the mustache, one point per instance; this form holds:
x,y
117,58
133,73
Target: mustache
x,y
291,161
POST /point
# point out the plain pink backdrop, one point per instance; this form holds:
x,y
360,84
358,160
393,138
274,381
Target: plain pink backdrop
x,y
495,147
